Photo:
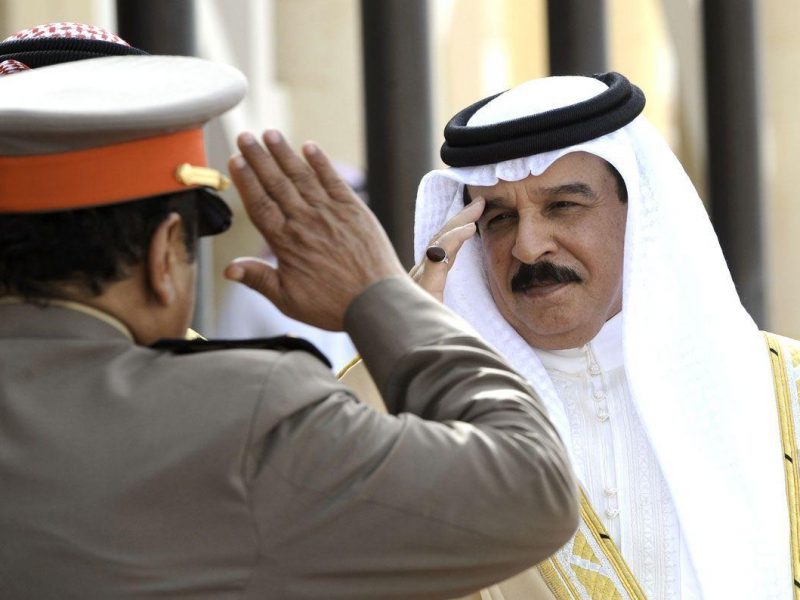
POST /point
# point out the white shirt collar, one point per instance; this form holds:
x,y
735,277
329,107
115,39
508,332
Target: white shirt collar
x,y
606,348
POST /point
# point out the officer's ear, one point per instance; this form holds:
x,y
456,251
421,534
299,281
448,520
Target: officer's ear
x,y
165,257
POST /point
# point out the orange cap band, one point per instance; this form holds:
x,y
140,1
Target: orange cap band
x,y
104,175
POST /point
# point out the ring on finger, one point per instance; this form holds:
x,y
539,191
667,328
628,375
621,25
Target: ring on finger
x,y
437,254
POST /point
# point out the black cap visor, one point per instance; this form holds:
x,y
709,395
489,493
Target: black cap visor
x,y
214,214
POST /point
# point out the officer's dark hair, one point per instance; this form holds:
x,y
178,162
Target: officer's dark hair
x,y
87,248
622,189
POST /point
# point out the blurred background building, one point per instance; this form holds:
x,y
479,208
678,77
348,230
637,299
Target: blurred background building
x,y
374,82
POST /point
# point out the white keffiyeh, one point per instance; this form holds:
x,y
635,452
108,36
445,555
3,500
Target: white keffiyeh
x,y
696,364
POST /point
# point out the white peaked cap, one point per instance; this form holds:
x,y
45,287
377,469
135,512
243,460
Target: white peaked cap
x,y
109,130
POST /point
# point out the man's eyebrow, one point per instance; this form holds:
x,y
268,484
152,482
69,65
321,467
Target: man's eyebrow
x,y
570,189
575,188
492,203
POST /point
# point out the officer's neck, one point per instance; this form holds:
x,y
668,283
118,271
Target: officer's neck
x,y
130,301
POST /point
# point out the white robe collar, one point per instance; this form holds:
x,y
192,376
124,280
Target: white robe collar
x,y
606,348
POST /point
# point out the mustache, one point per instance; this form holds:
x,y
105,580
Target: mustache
x,y
542,273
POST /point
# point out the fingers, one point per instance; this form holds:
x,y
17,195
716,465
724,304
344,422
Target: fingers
x,y
432,276
451,243
469,214
294,167
256,274
328,176
269,172
263,211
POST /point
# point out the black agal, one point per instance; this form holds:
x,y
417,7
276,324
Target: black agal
x,y
43,52
610,110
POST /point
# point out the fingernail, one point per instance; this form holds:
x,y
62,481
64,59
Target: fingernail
x,y
272,136
310,148
234,272
238,162
247,139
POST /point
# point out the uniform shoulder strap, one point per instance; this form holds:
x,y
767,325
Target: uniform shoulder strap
x,y
284,343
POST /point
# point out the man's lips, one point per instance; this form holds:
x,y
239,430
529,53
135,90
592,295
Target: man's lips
x,y
544,288
544,283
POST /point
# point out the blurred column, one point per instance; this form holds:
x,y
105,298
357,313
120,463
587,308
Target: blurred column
x,y
168,27
158,26
734,142
398,112
577,36
5,20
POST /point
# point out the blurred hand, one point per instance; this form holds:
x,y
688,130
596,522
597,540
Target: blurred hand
x,y
432,276
329,245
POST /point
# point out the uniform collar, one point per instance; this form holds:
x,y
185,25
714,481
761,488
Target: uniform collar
x,y
57,318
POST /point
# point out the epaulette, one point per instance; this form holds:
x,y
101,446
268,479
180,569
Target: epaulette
x,y
283,343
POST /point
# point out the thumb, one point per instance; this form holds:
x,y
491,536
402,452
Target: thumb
x,y
256,274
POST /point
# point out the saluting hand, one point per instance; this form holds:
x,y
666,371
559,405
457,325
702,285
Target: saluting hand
x,y
329,245
432,276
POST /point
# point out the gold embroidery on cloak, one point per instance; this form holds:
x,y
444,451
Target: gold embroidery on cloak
x,y
590,566
784,354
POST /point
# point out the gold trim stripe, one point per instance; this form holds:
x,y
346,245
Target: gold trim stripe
x,y
348,366
612,554
552,571
560,573
780,360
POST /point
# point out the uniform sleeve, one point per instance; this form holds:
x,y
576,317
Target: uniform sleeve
x,y
463,485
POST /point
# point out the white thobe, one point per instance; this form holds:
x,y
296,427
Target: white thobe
x,y
615,461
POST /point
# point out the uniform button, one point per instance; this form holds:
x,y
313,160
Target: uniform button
x,y
612,513
594,369
599,395
610,491
602,417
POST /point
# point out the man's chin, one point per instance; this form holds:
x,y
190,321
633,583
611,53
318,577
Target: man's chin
x,y
558,334
554,320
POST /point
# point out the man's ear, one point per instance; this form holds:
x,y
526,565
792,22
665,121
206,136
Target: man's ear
x,y
163,257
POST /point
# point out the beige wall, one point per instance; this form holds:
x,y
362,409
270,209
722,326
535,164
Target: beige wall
x,y
318,50
781,88
18,14
640,48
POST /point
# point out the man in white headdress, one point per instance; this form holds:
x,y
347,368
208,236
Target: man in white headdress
x,y
596,273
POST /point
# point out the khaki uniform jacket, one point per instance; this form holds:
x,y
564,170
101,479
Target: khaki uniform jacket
x,y
127,472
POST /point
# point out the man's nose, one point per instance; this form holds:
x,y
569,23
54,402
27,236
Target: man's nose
x,y
535,240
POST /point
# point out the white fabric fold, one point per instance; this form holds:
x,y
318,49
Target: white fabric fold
x,y
697,366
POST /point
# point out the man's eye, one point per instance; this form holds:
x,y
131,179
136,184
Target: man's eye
x,y
499,219
561,204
